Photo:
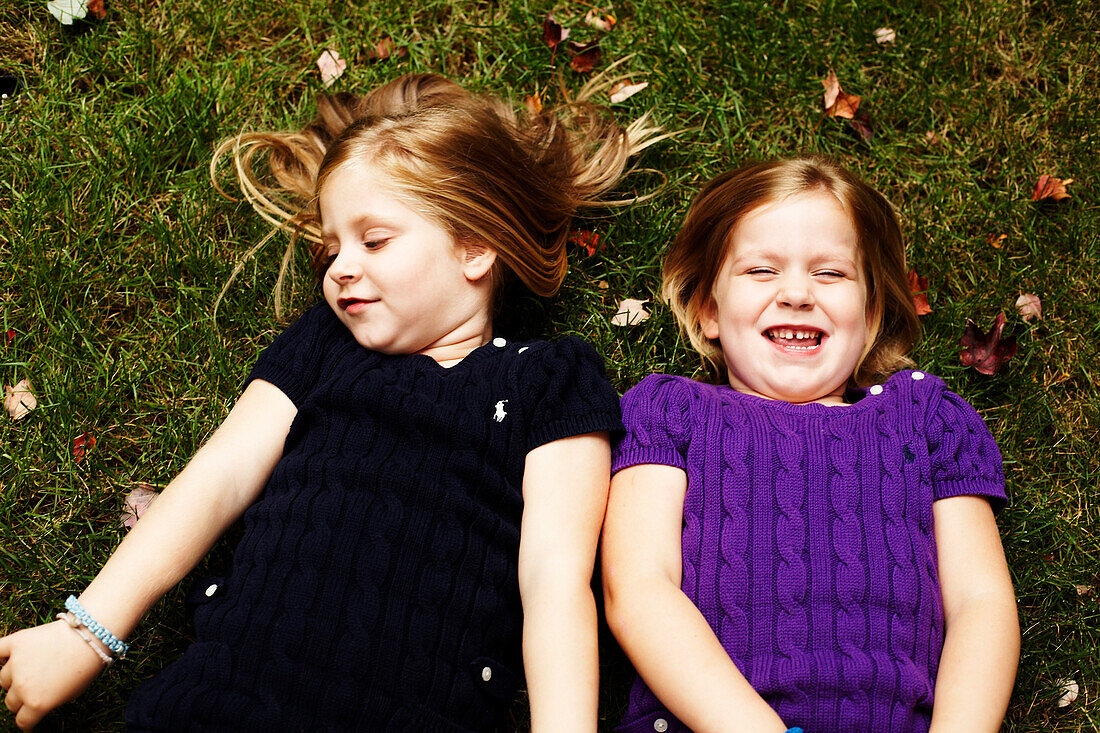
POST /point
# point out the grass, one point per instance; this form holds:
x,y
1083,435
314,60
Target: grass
x,y
113,246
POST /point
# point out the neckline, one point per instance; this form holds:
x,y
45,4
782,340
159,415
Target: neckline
x,y
870,398
497,343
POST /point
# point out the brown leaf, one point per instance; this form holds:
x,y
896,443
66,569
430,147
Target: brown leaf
x,y
986,352
624,90
862,126
96,8
585,56
918,286
137,501
995,240
932,138
1048,187
590,241
10,336
552,32
1083,590
631,312
837,102
19,400
1030,307
533,103
385,48
598,20
81,445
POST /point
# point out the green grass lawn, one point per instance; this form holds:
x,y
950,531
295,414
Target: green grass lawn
x,y
114,246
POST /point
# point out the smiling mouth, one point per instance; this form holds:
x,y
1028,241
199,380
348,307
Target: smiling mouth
x,y
803,339
346,303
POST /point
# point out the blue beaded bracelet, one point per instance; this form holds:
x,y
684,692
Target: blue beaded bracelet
x,y
795,730
112,642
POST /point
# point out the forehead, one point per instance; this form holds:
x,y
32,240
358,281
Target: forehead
x,y
356,189
815,220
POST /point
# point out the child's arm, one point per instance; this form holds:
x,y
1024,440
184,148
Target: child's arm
x,y
50,664
666,637
564,497
982,635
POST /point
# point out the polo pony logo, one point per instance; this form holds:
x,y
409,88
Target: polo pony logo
x,y
500,414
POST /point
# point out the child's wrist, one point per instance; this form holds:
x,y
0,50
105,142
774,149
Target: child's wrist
x,y
83,623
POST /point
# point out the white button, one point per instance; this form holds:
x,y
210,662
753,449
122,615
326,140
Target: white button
x,y
212,590
486,674
498,342
660,725
918,376
877,389
525,348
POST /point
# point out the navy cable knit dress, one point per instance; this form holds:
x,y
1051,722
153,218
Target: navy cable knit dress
x,y
375,587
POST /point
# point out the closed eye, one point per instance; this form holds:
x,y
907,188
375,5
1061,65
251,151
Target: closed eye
x,y
761,271
374,243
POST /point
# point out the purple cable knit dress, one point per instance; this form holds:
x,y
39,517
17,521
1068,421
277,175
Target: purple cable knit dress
x,y
808,542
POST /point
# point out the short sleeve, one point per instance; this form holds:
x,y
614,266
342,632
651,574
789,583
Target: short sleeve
x,y
567,393
965,458
657,419
296,358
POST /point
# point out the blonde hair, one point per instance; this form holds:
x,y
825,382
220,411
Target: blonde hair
x,y
696,256
485,173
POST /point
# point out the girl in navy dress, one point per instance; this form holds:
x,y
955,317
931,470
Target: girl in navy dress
x,y
387,448
808,541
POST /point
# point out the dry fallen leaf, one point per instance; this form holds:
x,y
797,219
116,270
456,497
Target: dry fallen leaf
x,y
585,56
552,32
1030,307
601,21
932,138
1067,692
96,8
137,501
995,240
331,66
918,286
590,241
385,48
68,11
1083,590
19,400
885,35
81,445
986,352
533,103
1050,188
624,90
862,126
837,102
631,312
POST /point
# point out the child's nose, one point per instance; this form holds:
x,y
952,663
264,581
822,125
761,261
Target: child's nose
x,y
343,268
795,294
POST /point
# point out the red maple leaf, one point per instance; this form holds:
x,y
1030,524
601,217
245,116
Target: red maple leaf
x,y
81,445
585,56
552,31
918,286
1050,188
986,352
590,241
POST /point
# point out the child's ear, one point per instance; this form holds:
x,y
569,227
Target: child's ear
x,y
477,259
708,318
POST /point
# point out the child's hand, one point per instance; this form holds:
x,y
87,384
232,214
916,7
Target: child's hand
x,y
43,668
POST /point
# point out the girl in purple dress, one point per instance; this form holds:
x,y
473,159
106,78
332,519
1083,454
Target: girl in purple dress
x,y
808,541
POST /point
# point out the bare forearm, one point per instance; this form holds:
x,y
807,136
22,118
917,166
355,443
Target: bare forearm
x,y
977,668
173,535
560,657
682,661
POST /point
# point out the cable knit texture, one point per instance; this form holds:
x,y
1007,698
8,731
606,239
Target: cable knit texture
x,y
375,587
808,542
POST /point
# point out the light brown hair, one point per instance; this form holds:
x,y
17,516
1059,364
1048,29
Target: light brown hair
x,y
485,173
696,256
